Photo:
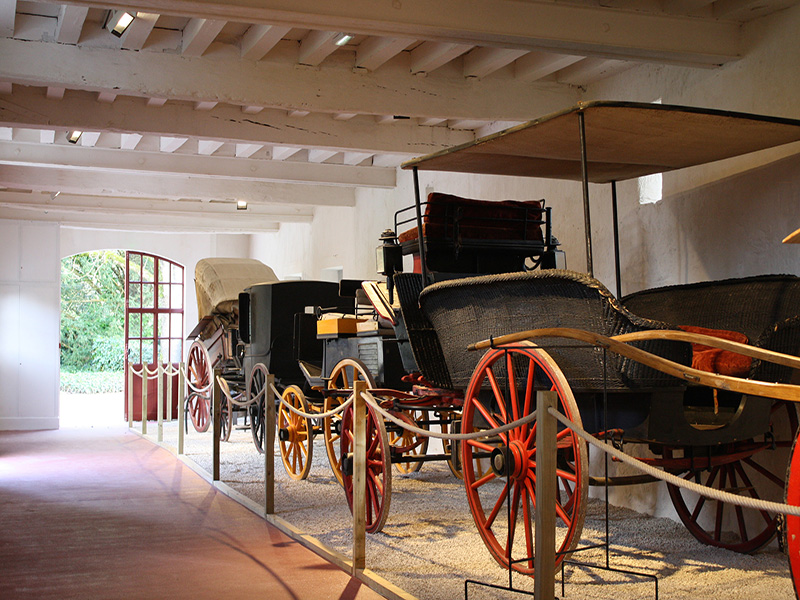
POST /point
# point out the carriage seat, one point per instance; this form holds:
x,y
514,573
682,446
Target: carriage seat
x,y
464,311
463,235
765,308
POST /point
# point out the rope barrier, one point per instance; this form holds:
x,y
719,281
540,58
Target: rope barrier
x,y
718,495
451,436
305,415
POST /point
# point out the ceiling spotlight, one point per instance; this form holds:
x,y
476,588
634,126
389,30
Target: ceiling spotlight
x,y
342,39
241,205
118,21
74,136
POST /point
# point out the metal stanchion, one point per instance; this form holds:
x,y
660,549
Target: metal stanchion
x,y
216,404
269,446
359,476
160,401
130,396
145,380
181,409
545,537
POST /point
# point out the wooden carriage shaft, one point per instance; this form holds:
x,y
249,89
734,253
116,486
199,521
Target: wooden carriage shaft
x,y
618,345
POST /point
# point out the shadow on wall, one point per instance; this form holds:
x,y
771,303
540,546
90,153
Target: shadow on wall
x,y
730,228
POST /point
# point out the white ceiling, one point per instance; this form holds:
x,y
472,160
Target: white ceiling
x,y
203,102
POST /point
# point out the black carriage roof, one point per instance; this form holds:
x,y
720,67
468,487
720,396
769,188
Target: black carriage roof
x,y
624,140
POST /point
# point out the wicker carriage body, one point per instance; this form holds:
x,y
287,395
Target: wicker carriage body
x,y
765,308
468,310
647,405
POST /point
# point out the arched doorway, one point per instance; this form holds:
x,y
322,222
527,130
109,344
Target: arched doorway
x,y
153,325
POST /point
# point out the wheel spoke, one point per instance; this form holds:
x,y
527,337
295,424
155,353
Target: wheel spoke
x,y
480,445
483,480
490,419
498,394
752,491
512,386
720,507
526,518
765,472
497,505
512,523
529,391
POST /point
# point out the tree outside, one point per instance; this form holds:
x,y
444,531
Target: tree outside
x,y
92,321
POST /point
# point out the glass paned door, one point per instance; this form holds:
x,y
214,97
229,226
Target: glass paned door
x,y
154,288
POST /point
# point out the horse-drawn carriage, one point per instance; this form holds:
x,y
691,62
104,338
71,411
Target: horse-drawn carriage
x,y
619,369
626,377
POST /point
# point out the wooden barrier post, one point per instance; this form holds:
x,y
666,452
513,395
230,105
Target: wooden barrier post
x,y
145,379
269,446
545,536
359,476
181,407
130,396
160,401
216,397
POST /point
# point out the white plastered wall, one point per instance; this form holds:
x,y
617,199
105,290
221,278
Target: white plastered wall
x,y
29,325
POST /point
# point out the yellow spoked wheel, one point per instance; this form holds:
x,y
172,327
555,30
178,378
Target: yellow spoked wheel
x,y
295,434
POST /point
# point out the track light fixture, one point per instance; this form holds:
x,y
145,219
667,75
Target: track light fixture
x,y
342,39
118,21
74,136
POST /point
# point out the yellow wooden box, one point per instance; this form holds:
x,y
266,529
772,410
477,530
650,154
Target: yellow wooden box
x,y
338,326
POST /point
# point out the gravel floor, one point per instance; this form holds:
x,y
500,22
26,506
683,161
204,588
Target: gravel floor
x,y
429,545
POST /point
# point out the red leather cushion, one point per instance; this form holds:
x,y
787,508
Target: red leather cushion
x,y
715,360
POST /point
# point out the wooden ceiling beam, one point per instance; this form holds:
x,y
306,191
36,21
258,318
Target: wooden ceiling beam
x,y
559,27
191,166
28,107
172,187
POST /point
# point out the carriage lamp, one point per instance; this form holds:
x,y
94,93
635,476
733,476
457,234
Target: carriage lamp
x,y
389,259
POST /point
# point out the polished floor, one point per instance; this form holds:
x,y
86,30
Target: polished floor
x,y
103,513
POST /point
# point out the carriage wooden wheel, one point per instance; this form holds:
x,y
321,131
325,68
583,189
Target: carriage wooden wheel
x,y
256,384
407,443
344,373
225,412
295,434
199,384
503,389
792,524
752,468
378,471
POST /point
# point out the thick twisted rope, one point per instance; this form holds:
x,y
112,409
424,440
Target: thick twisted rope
x,y
315,415
475,435
708,492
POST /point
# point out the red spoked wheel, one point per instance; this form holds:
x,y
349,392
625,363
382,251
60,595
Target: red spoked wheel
x,y
753,468
378,474
343,375
792,524
295,434
199,385
503,389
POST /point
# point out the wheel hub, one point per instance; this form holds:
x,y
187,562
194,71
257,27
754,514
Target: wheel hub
x,y
510,461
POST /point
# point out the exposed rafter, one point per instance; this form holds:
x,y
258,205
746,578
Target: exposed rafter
x,y
233,81
196,167
28,107
146,185
585,29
